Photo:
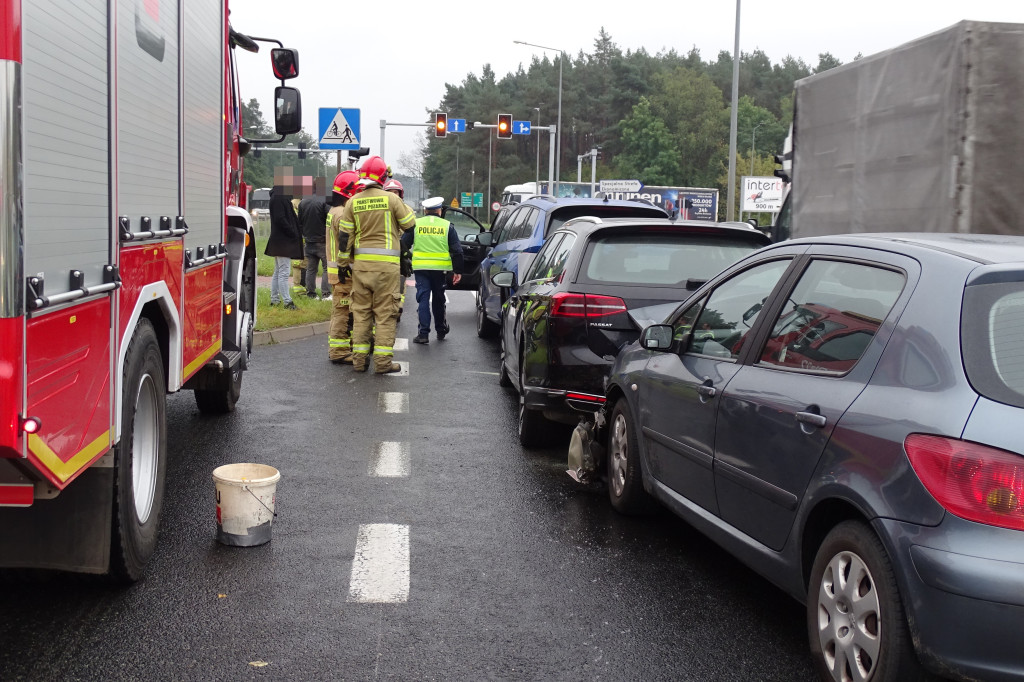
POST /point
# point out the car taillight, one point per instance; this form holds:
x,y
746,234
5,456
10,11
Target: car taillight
x,y
973,481
585,305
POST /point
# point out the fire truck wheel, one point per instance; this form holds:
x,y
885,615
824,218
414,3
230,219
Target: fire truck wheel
x,y
221,400
140,457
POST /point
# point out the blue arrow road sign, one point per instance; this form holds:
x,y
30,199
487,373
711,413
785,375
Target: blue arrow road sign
x,y
339,128
520,127
456,125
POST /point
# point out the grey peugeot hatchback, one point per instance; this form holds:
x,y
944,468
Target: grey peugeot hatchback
x,y
846,416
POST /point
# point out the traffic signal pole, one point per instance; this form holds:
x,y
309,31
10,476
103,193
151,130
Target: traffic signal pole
x,y
385,123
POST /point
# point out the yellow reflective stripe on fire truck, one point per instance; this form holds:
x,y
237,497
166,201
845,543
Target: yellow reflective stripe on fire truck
x,y
65,470
201,360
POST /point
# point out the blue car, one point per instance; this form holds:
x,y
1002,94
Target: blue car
x,y
843,414
524,231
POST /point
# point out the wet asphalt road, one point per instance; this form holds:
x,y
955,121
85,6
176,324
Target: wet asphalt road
x,y
516,572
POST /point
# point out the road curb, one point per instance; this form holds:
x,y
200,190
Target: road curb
x,y
285,334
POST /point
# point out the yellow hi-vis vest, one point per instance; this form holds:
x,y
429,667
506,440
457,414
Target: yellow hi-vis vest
x,y
430,244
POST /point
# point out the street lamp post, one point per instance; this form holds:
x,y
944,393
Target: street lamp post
x,y
537,182
731,207
753,135
558,139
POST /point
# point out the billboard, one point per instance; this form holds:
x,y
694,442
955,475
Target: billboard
x,y
692,203
761,194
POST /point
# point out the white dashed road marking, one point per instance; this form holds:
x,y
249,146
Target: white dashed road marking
x,y
401,344
380,568
393,403
390,460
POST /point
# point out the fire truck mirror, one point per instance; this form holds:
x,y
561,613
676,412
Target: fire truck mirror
x,y
285,62
287,111
243,146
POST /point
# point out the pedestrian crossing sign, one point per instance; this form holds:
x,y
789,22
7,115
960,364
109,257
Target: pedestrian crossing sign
x,y
339,128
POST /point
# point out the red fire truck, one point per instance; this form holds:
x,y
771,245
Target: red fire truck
x,y
127,265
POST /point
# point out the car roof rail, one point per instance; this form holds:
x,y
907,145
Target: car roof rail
x,y
585,219
540,196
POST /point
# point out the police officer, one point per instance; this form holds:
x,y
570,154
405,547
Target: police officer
x,y
339,274
373,222
436,250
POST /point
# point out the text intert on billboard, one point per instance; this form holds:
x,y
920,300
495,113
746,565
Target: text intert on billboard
x,y
761,194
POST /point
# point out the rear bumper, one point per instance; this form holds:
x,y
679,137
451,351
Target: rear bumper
x,y
963,587
555,402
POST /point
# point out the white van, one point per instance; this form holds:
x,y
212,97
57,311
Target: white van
x,y
516,194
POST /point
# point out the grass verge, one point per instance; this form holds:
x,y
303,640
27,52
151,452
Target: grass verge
x,y
275,317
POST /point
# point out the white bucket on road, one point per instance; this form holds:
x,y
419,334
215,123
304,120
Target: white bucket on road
x,y
246,494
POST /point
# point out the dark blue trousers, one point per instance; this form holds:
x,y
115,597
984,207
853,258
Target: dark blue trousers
x,y
430,284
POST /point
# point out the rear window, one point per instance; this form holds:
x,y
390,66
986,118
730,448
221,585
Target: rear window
x,y
661,259
992,333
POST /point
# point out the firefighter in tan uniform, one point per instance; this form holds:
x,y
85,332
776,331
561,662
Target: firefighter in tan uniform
x,y
339,273
374,221
395,187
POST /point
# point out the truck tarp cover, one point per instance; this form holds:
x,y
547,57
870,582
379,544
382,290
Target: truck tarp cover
x,y
926,137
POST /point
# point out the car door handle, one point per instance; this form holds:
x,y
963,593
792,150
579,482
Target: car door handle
x,y
811,418
706,391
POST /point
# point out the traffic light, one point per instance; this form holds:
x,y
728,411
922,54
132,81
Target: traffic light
x,y
505,126
440,125
302,150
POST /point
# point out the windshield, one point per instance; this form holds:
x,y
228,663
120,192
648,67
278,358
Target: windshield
x,y
660,259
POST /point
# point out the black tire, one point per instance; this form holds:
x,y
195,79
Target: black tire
x,y
140,458
533,427
504,380
222,400
625,477
485,329
852,563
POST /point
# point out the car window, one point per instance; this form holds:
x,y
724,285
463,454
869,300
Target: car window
x,y
662,259
524,225
682,324
993,343
544,259
464,225
557,217
831,316
556,268
721,329
505,228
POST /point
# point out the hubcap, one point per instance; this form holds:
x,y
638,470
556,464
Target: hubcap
x,y
619,448
145,448
849,622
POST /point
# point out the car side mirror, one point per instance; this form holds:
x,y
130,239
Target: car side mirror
x,y
470,238
655,337
287,110
506,279
485,239
285,62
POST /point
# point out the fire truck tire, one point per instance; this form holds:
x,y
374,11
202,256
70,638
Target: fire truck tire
x,y
140,458
221,400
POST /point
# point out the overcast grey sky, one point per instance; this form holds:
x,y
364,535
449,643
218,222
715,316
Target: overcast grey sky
x,y
391,59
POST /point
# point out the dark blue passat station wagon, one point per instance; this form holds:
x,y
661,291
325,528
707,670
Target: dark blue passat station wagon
x,y
846,416
574,310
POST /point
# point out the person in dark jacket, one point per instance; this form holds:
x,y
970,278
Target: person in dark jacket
x,y
313,220
285,243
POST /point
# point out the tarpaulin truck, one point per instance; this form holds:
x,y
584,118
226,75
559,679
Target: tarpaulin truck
x,y
127,267
925,137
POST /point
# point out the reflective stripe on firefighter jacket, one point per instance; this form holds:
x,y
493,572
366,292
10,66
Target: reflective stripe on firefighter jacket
x,y
336,245
430,244
374,220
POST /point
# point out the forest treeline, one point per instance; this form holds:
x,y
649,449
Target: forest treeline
x,y
661,118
